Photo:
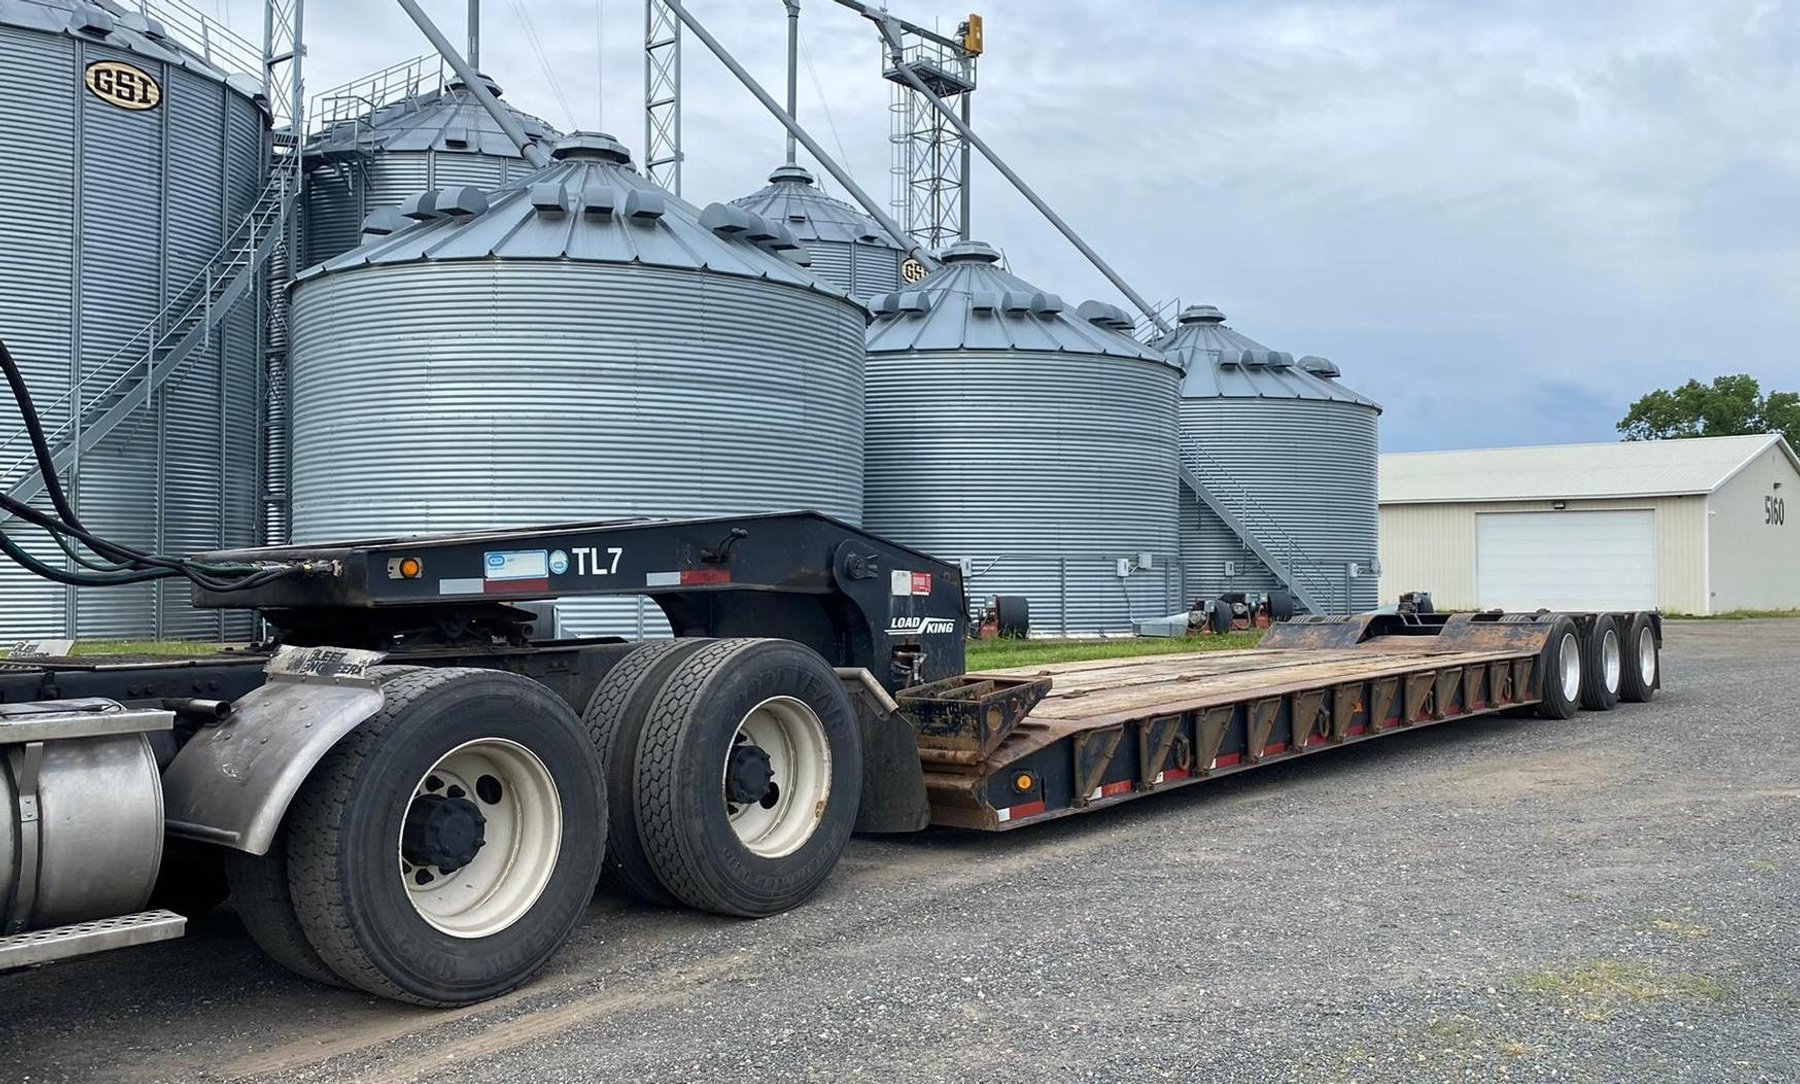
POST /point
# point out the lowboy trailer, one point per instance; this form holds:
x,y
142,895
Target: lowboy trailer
x,y
406,793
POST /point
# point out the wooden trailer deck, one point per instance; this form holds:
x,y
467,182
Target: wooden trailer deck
x,y
1008,747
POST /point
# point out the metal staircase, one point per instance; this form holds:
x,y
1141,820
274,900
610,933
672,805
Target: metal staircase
x,y
121,387
1313,587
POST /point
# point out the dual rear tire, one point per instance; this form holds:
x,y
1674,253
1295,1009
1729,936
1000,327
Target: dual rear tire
x,y
466,886
736,772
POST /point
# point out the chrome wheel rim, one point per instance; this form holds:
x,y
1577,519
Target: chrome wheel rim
x,y
1647,656
1571,666
787,734
1611,660
477,886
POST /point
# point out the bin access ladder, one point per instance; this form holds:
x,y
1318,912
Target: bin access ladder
x,y
122,386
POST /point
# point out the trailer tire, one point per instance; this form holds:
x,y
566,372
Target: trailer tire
x,y
1560,663
766,854
615,721
260,896
1221,617
444,737
1602,665
1642,660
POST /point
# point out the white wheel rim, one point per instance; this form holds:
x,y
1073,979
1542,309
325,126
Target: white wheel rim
x,y
1571,667
1611,660
792,736
1647,657
516,795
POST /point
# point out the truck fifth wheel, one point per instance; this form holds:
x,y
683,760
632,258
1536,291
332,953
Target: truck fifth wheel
x,y
414,796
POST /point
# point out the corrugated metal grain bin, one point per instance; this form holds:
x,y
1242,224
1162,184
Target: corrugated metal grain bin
x,y
843,246
1295,455
1027,439
126,161
587,347
373,161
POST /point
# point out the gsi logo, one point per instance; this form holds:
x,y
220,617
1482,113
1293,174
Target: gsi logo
x,y
118,83
496,560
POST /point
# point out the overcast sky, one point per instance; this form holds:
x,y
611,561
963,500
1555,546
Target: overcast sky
x,y
1503,220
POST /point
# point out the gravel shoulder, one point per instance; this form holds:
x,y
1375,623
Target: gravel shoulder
x,y
1612,898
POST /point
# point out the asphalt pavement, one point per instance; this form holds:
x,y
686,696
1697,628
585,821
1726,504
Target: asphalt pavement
x,y
1612,898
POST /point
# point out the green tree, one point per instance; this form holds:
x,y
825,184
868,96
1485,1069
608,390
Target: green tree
x,y
1728,407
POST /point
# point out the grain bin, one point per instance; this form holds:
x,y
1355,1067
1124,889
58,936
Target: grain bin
x,y
588,346
844,246
126,162
1290,451
365,160
1027,439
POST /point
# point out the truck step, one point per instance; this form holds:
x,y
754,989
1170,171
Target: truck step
x,y
83,938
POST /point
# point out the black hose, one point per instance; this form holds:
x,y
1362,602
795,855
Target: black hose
x,y
119,564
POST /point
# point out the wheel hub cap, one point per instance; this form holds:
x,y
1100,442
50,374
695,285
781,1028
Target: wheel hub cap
x,y
748,775
444,832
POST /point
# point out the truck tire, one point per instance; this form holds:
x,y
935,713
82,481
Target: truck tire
x,y
615,721
1642,660
477,773
735,720
260,896
1602,665
1561,666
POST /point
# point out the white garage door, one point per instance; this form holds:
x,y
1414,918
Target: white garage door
x,y
1566,560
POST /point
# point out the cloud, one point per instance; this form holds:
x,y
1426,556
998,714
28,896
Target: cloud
x,y
1504,220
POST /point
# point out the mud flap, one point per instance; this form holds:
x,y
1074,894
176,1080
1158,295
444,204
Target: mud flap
x,y
893,788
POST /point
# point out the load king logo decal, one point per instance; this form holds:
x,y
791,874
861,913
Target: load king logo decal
x,y
921,626
126,86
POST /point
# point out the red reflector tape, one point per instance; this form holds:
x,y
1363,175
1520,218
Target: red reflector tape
x,y
516,587
1110,790
1021,811
1173,775
705,577
1226,761
1271,750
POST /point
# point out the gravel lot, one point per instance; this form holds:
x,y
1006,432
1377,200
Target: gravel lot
x,y
1612,898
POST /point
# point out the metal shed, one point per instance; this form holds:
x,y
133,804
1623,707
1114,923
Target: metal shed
x,y
1686,526
1281,462
1029,439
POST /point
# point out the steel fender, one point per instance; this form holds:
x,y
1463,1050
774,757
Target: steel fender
x,y
232,783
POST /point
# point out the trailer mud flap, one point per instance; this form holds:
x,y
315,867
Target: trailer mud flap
x,y
893,783
232,784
